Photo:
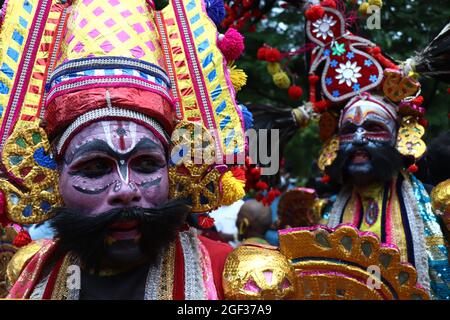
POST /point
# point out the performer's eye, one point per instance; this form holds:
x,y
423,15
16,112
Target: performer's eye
x,y
146,164
373,126
94,168
348,128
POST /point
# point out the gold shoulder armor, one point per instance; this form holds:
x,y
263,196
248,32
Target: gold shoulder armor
x,y
440,197
255,272
19,260
440,200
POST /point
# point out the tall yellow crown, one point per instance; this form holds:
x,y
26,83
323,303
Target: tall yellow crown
x,y
111,28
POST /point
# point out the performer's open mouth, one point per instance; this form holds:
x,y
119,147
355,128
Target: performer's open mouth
x,y
360,156
124,230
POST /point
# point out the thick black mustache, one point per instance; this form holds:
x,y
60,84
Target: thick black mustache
x,y
385,160
85,234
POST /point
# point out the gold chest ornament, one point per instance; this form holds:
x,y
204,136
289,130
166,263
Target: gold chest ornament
x,y
321,264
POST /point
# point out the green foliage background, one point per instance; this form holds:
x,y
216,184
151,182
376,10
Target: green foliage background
x,y
406,26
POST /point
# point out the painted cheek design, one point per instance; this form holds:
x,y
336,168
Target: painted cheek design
x,y
91,190
146,184
153,187
91,185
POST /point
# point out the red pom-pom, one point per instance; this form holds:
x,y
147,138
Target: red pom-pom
x,y
22,239
261,54
275,192
325,179
270,196
314,13
205,221
238,173
231,44
261,185
329,3
448,90
255,173
423,122
284,5
418,100
413,168
273,55
295,92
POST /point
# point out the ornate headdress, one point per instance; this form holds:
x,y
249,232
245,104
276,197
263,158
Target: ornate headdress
x,y
75,62
352,69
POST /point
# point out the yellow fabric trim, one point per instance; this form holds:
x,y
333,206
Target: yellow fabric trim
x,y
190,102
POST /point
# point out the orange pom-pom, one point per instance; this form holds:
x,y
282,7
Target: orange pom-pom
x,y
314,13
22,239
413,168
295,92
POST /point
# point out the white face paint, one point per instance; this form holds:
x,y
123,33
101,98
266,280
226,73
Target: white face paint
x,y
369,119
113,164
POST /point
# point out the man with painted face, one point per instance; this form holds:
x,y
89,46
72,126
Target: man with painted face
x,y
111,105
367,136
378,195
370,120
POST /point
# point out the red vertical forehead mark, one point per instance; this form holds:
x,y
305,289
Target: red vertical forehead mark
x,y
121,133
358,115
